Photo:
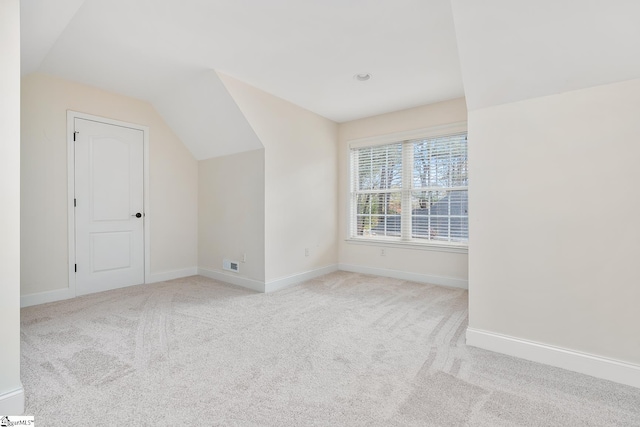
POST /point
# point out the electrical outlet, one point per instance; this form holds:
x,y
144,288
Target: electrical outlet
x,y
244,257
382,252
306,251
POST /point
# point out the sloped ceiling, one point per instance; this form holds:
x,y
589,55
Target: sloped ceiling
x,y
515,50
201,111
42,22
307,51
304,51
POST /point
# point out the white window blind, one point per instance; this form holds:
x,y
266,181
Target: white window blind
x,y
412,191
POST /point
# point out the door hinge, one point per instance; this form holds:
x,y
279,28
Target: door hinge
x,y
74,203
75,268
74,134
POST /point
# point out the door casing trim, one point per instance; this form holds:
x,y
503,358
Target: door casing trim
x,y
71,220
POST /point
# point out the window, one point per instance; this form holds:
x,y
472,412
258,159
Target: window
x,y
414,190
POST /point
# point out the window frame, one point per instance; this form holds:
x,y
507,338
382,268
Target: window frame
x,y
398,137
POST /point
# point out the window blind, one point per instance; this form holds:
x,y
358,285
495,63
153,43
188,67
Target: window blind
x,y
414,190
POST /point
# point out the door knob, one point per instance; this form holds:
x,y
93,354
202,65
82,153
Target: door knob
x,y
138,215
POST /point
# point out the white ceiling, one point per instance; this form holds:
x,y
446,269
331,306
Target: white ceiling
x,y
42,22
514,50
305,51
205,116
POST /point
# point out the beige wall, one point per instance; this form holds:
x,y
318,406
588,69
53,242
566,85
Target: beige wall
x,y
231,212
173,180
300,181
450,268
10,205
555,235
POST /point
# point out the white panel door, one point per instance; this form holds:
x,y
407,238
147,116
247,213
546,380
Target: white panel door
x,y
109,199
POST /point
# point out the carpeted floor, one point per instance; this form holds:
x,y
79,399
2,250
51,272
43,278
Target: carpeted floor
x,y
344,349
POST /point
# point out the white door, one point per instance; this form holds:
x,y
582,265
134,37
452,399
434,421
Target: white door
x,y
109,202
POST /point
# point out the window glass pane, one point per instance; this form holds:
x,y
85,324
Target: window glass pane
x,y
440,215
440,162
378,214
436,202
379,168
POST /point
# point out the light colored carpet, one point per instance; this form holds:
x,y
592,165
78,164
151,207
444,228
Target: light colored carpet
x,y
344,349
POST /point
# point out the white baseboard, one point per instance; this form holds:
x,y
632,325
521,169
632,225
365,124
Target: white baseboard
x,y
284,282
270,286
170,275
450,282
584,363
45,297
233,279
12,403
66,293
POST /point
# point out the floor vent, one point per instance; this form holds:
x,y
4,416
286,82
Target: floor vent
x,y
230,265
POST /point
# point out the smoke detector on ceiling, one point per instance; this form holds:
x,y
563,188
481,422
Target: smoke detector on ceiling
x,y
362,77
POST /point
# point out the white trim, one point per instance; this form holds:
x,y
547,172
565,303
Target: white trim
x,y
71,191
45,297
147,204
12,403
285,282
232,279
444,247
397,137
67,293
170,275
441,130
449,282
270,286
584,363
71,116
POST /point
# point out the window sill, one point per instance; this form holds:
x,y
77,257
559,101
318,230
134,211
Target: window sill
x,y
438,247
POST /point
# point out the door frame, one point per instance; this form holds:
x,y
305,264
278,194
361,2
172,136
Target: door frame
x,y
71,170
